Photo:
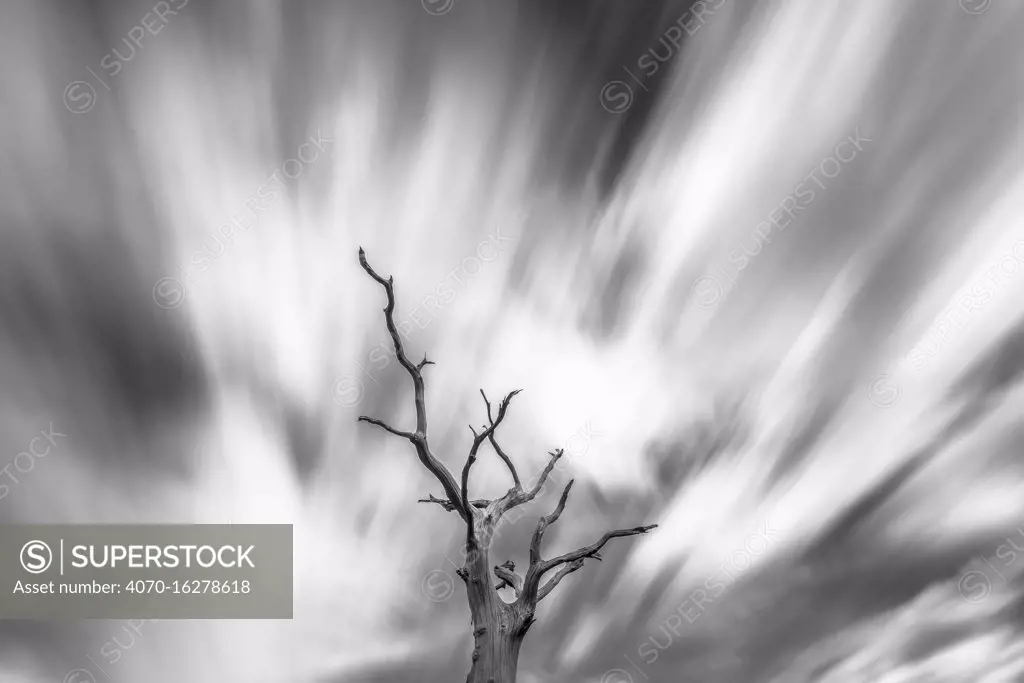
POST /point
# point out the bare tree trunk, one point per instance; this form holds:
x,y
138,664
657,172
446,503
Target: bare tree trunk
x,y
496,656
498,627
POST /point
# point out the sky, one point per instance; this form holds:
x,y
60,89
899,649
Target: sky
x,y
758,268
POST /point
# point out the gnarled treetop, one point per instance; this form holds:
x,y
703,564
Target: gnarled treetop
x,y
481,516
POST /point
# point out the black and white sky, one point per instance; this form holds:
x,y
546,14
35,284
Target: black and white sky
x,y
757,266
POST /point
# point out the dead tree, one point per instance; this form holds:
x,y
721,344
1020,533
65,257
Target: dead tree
x,y
499,627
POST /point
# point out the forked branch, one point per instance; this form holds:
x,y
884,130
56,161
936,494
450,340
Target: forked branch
x,y
532,593
544,522
517,496
497,449
478,439
553,458
419,437
562,573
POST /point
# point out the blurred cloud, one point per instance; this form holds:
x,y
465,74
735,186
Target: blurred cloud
x,y
182,202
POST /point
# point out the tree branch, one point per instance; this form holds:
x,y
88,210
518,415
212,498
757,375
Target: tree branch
x,y
532,593
469,465
446,504
592,550
419,438
489,430
543,524
470,538
527,496
478,439
508,577
562,573
516,496
450,507
385,426
497,448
